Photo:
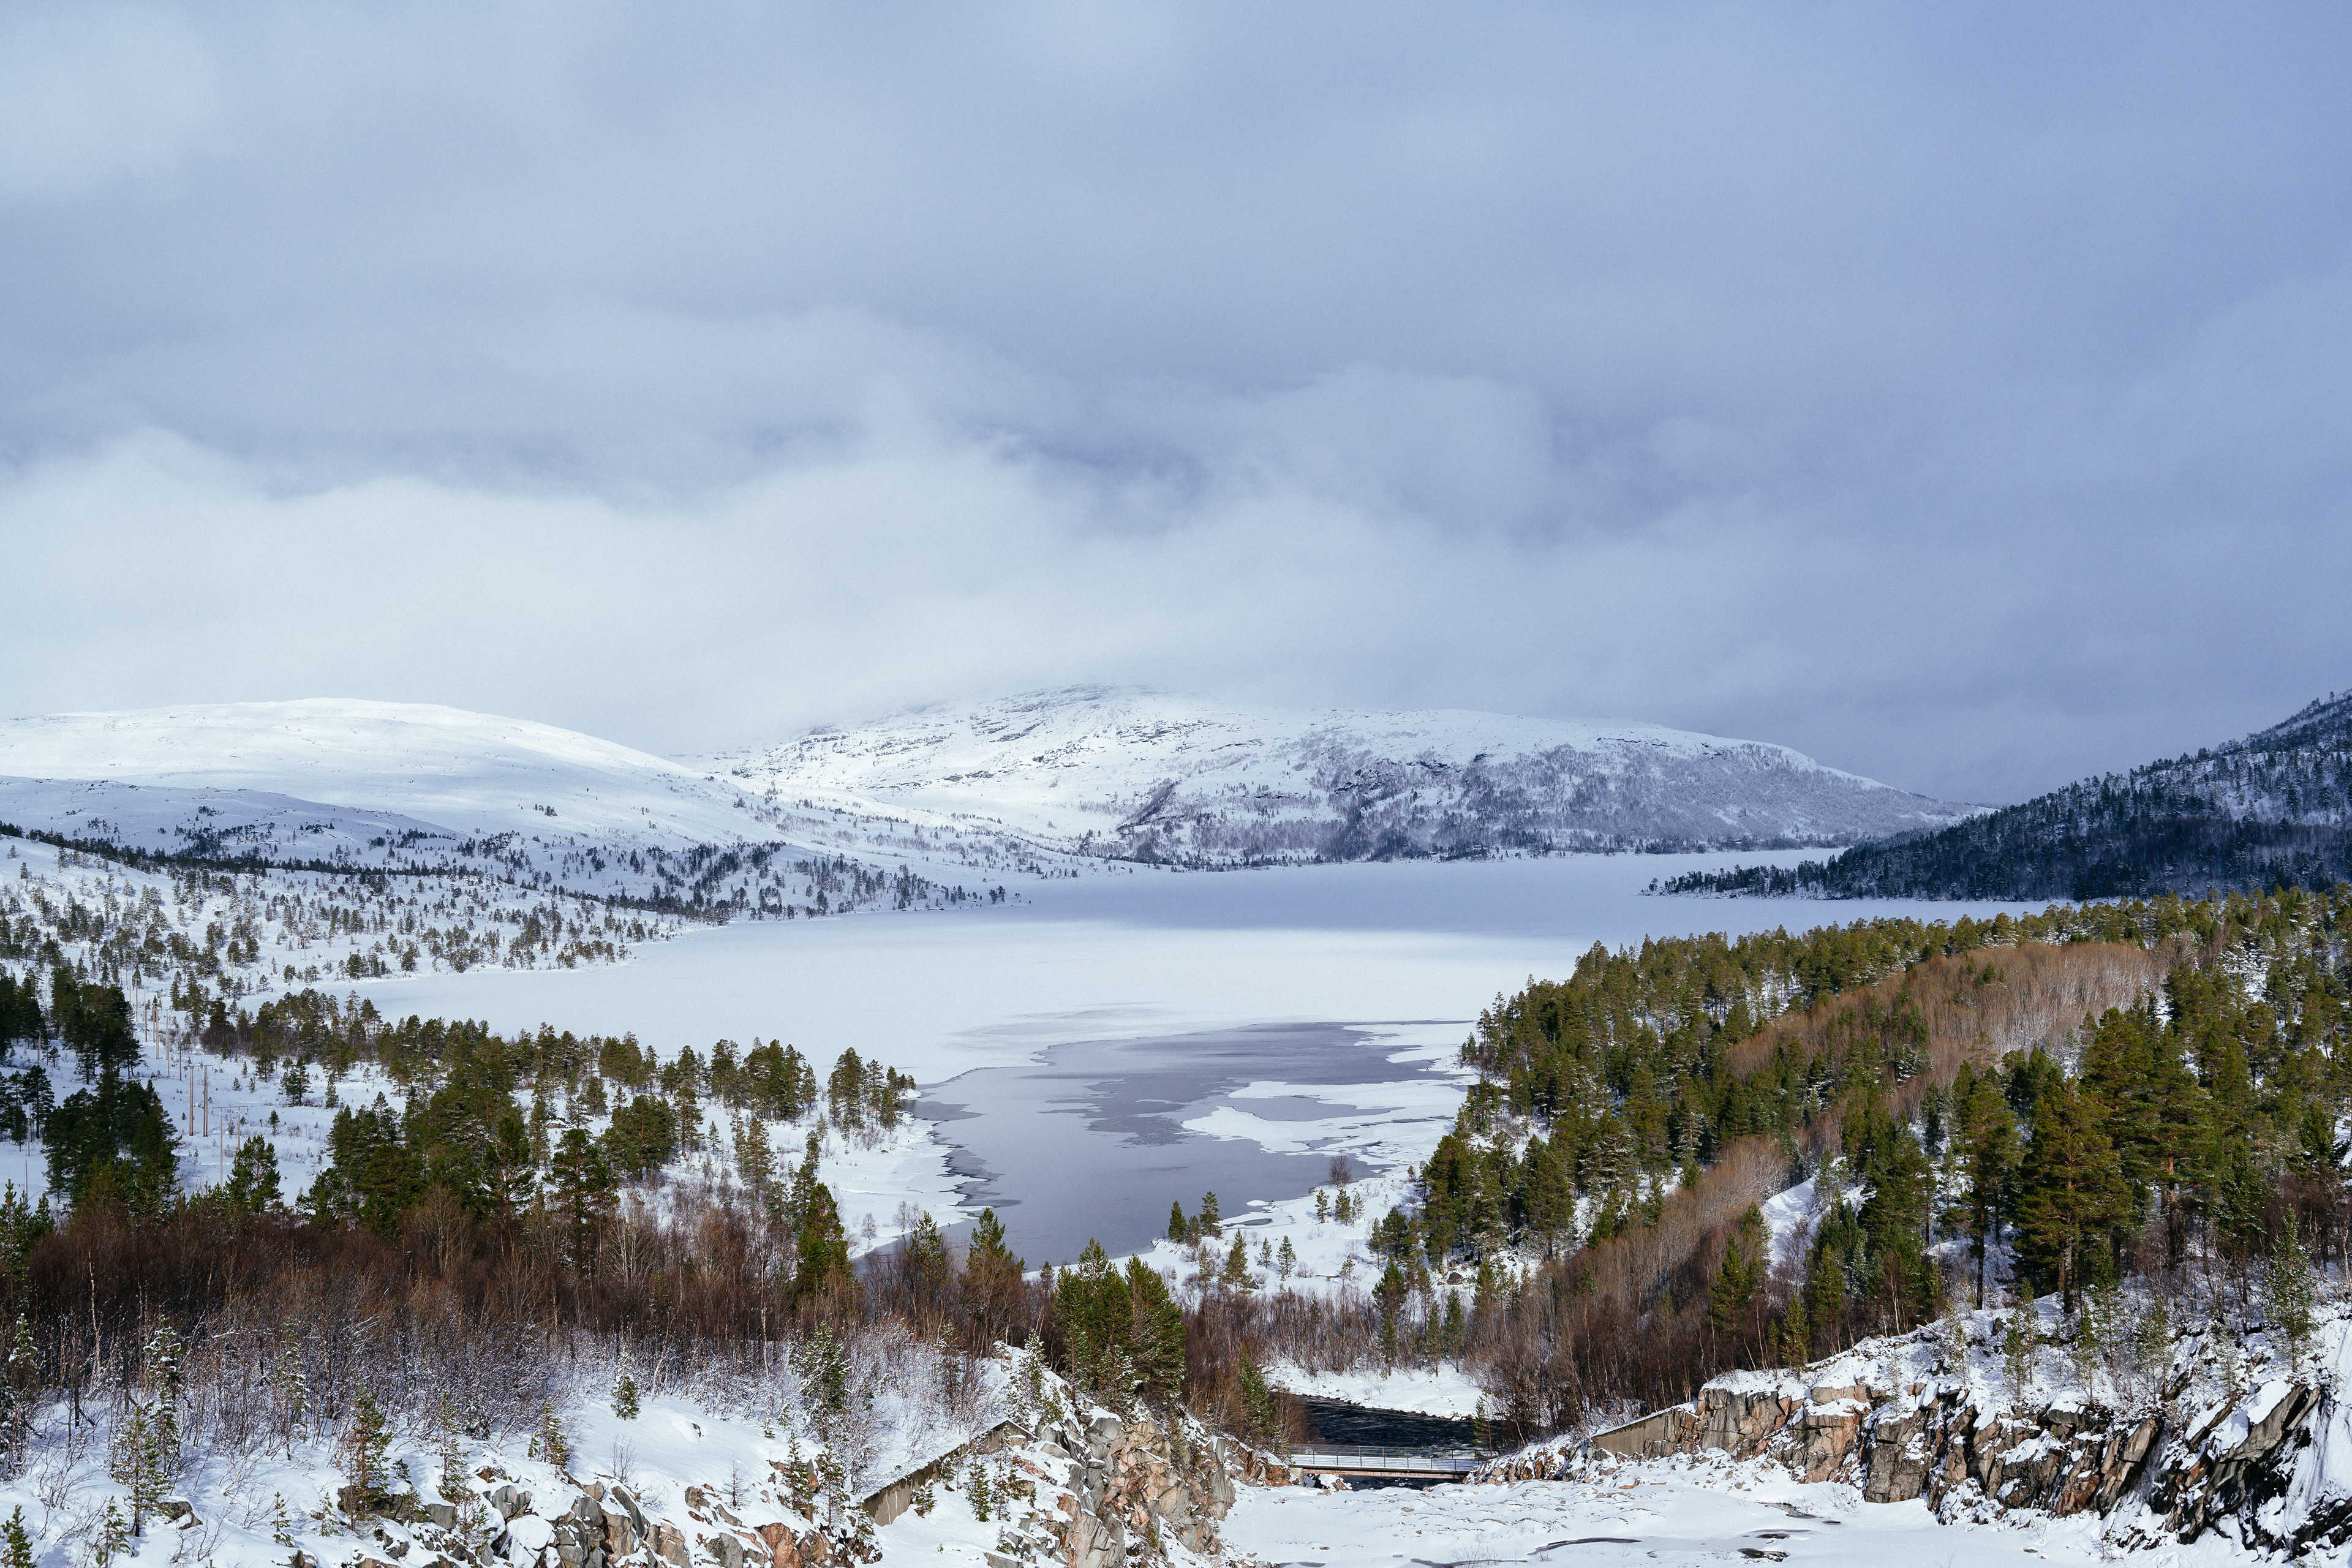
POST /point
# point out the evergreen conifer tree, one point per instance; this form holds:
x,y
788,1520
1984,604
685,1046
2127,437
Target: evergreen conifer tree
x,y
1987,1145
367,1447
2072,1199
2290,1291
624,1390
2017,1350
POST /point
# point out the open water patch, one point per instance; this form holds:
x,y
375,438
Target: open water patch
x,y
1089,1142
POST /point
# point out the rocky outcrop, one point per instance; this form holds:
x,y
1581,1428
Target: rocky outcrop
x,y
1066,1483
2272,1469
1927,1439
1143,1481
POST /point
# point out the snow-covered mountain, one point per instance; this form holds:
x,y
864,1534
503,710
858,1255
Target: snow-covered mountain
x,y
1137,774
415,786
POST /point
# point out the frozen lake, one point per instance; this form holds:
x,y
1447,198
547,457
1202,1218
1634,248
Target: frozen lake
x,y
1102,1014
1094,1142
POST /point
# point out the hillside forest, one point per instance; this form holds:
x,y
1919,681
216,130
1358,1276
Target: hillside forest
x,y
2148,1091
2271,810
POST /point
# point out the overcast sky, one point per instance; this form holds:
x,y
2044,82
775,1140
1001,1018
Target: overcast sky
x,y
1956,394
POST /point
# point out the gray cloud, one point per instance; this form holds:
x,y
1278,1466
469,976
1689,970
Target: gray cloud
x,y
1958,398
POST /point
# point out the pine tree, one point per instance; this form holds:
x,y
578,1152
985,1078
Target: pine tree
x,y
2017,1352
548,1443
1155,1335
2072,1199
1180,1230
367,1447
822,1249
510,1167
582,1196
2290,1291
131,1460
163,1355
1286,1262
289,1390
452,1483
1261,1416
113,1536
1796,1333
1986,1148
624,1390
15,1543
252,1185
1739,1278
24,1387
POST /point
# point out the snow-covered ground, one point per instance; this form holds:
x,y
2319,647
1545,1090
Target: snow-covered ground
x,y
1695,1510
259,1503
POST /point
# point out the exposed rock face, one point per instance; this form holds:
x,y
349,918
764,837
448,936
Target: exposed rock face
x,y
2235,1467
1088,1490
1146,1479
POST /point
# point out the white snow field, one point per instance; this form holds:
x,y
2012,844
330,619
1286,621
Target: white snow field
x,y
1699,1510
1140,773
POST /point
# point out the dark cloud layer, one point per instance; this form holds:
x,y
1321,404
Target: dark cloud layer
x,y
1961,398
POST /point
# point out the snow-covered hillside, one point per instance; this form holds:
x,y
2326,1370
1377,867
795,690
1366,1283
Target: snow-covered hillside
x,y
417,786
1143,774
465,774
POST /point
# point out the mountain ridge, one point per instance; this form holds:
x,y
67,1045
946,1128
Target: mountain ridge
x,y
1141,773
2271,809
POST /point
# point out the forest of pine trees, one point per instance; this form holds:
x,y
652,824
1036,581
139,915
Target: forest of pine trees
x,y
2273,810
2052,1103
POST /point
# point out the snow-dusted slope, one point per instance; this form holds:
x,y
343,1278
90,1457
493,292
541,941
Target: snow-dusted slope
x,y
469,774
1144,774
416,787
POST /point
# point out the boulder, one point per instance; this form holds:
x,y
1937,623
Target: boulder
x,y
784,1546
528,1535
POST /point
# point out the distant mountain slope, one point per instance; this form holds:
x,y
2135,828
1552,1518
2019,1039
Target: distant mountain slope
x,y
1132,774
2271,810
414,786
471,774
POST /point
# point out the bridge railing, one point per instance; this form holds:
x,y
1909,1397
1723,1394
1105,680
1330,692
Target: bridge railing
x,y
1414,1462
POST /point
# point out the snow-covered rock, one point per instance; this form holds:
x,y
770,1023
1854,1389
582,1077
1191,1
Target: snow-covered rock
x,y
1925,1418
